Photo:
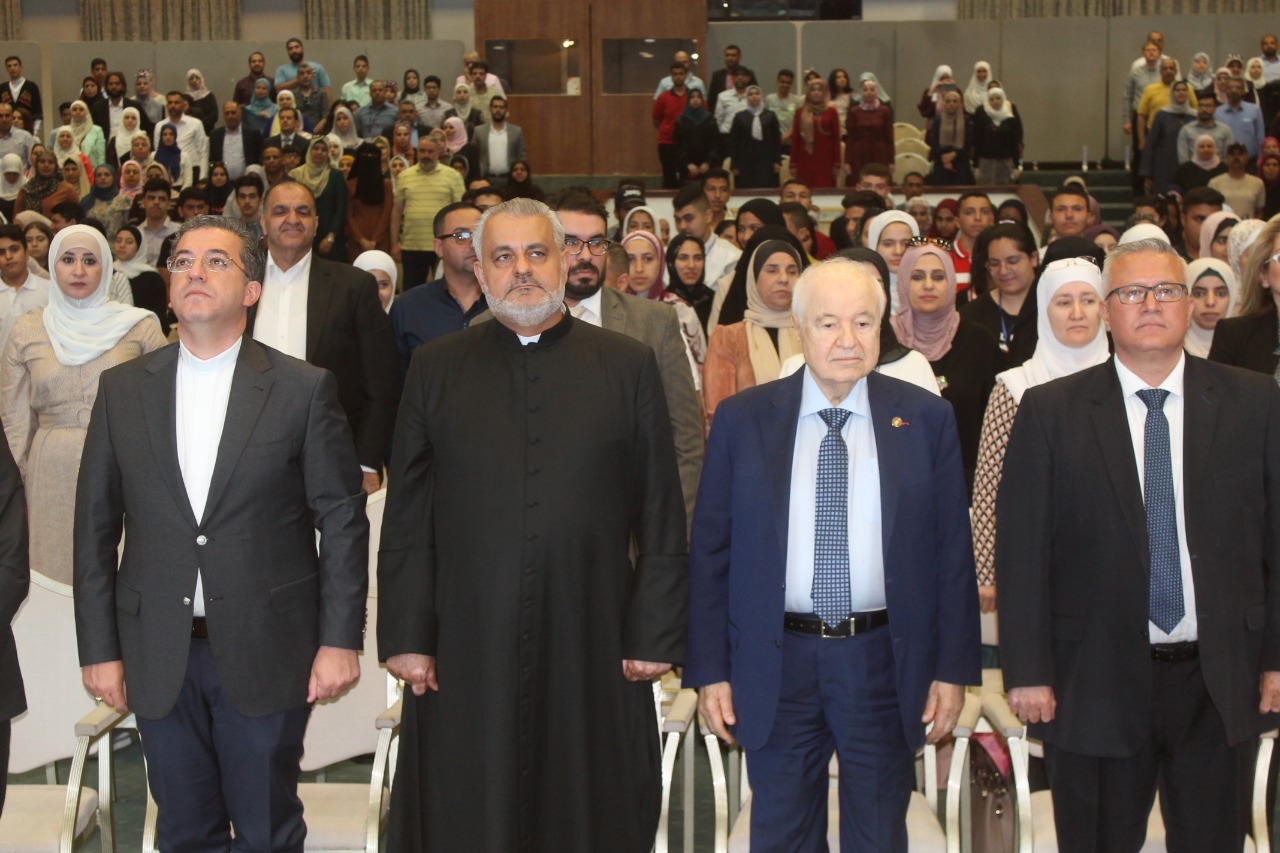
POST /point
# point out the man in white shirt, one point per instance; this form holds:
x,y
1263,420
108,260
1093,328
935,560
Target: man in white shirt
x,y
783,102
733,101
14,140
23,290
358,89
192,141
693,217
500,142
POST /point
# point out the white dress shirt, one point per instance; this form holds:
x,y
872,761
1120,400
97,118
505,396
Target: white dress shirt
x,y
15,301
281,322
1136,412
192,142
720,259
728,104
866,554
588,310
115,112
203,391
498,164
233,152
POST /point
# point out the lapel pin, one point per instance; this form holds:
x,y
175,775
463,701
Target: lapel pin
x,y
899,422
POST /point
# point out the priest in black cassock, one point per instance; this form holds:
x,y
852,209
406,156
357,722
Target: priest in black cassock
x,y
529,454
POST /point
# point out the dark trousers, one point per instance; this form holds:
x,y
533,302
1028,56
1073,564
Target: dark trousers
x,y
6,729
209,766
837,695
1102,804
672,168
419,267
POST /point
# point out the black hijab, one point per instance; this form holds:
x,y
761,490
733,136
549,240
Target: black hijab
x,y
734,306
698,295
367,171
891,349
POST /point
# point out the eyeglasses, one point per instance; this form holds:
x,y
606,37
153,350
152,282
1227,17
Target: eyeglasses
x,y
457,236
1136,294
1271,260
212,263
944,245
598,246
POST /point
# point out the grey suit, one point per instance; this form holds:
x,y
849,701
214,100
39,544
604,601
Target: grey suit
x,y
285,468
515,145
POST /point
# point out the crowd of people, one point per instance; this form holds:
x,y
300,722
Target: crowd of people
x,y
627,481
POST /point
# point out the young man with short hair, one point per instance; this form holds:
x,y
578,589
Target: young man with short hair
x,y
23,290
1244,193
975,212
358,89
715,183
1198,205
693,217
783,102
1069,211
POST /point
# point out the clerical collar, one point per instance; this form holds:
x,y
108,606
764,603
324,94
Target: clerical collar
x,y
549,337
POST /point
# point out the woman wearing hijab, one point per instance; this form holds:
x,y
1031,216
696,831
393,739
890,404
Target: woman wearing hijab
x,y
1215,233
749,353
755,144
120,146
756,217
931,100
12,177
325,182
1159,163
202,99
462,109
344,128
639,218
412,88
1071,338
1104,237
1251,339
257,114
170,156
868,130
88,136
520,182
866,76
1004,299
1204,165
1269,171
964,356
945,224
686,275
46,189
1201,74
696,137
975,94
102,194
1254,78
458,142
49,379
1241,240
382,267
647,280
889,233
997,138
369,203
286,98
219,188
65,148
90,91
950,139
149,290
1212,287
815,138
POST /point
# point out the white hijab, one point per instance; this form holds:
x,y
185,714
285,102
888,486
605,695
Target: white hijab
x,y
373,259
136,265
9,189
1053,359
975,94
1006,109
124,139
1198,340
80,330
874,228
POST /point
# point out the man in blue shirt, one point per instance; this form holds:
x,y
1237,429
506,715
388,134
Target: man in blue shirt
x,y
379,117
287,74
1244,118
447,304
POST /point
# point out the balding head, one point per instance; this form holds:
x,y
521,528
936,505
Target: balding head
x,y
837,307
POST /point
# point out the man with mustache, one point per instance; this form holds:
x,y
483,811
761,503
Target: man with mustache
x,y
532,457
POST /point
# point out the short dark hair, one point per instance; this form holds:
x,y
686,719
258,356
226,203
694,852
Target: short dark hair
x,y
496,98
96,61
284,110
733,47
743,70
68,210
9,231
976,194
789,181
431,78
691,194
443,213
714,172
156,185
252,257
677,66
292,40
12,57
866,199
878,170
786,72
725,225
359,57
1068,189
249,179
172,92
118,75
480,63
1237,148
1149,201
258,53
912,175
796,213
192,194
1018,232
582,202
1202,195
476,192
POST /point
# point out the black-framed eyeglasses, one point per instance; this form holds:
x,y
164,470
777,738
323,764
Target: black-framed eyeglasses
x,y
459,236
212,263
597,246
1136,294
944,245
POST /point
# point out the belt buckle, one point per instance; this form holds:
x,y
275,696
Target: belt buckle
x,y
851,630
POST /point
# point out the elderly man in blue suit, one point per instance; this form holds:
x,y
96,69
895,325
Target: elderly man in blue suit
x,y
832,601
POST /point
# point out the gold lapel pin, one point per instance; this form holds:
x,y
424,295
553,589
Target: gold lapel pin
x,y
899,422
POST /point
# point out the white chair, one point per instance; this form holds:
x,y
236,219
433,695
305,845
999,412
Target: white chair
x,y
911,145
1036,830
903,164
903,130
677,709
925,829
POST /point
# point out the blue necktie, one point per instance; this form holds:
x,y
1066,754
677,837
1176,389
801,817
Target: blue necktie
x,y
831,596
1166,605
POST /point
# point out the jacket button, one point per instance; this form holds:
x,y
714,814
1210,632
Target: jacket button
x,y
201,539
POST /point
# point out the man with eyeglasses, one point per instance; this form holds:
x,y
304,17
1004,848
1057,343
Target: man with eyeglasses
x,y
446,304
1136,521
224,622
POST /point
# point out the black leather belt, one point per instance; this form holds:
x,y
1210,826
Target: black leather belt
x,y
199,628
857,623
1174,652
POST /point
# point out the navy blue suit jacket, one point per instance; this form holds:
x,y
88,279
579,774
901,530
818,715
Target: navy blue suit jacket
x,y
738,552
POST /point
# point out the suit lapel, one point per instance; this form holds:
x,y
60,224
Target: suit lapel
x,y
778,439
892,451
1111,426
1199,421
160,414
250,384
319,300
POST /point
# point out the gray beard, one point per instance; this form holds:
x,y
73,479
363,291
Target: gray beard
x,y
525,316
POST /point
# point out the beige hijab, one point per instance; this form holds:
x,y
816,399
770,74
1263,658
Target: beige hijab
x,y
766,360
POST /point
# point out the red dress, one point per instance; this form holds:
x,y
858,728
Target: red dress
x,y
868,138
817,167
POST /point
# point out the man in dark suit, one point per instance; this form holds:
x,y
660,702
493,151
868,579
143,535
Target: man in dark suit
x,y
513,135
15,578
329,315
250,145
722,78
114,97
1136,532
832,602
222,624
291,134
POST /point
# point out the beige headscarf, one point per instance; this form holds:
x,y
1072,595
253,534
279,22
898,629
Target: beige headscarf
x,y
766,360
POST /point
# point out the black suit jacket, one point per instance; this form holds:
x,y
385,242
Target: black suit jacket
x,y
1074,567
300,143
350,335
285,469
252,145
100,110
15,578
1248,342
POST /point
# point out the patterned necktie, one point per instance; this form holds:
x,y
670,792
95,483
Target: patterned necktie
x,y
1166,604
831,596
